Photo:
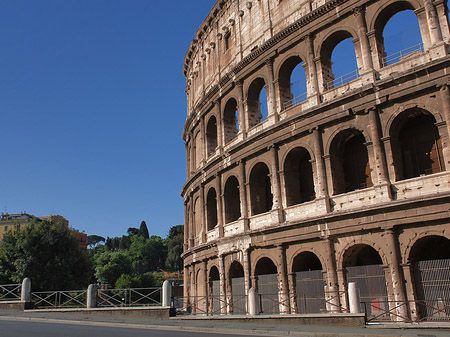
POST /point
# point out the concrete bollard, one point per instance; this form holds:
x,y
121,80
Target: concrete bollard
x,y
25,294
354,298
91,296
253,302
166,293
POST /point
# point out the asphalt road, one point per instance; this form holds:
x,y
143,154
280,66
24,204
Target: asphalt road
x,y
39,329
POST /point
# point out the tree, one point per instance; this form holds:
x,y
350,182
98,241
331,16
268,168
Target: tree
x,y
109,266
144,230
48,253
175,248
93,240
133,231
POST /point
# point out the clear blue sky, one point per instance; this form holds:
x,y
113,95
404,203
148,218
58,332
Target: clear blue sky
x,y
92,107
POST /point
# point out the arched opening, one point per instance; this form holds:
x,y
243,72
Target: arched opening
x,y
397,33
215,302
232,200
211,135
197,219
363,265
430,261
292,82
416,145
338,60
202,292
198,150
267,285
260,189
350,162
230,120
238,298
257,102
211,209
298,177
309,283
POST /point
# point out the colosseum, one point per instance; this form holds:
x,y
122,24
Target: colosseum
x,y
302,179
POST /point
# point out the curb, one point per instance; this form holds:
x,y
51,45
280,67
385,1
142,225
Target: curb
x,y
263,331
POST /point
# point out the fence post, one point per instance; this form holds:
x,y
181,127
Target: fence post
x,y
354,298
166,293
25,294
91,297
253,302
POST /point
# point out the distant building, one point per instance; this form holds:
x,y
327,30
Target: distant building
x,y
10,222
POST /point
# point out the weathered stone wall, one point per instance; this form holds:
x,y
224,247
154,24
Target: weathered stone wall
x,y
336,135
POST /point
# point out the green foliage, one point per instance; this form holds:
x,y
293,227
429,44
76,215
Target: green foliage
x,y
109,266
136,258
144,230
48,253
93,240
174,261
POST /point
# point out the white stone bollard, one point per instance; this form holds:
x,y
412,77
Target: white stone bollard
x,y
166,293
354,298
25,294
253,302
91,296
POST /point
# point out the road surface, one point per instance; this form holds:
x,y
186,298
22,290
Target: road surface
x,y
13,328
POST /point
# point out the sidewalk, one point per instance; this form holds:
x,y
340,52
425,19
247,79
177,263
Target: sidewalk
x,y
248,327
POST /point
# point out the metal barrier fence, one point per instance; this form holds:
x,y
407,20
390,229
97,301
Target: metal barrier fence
x,y
294,101
10,292
386,311
396,57
59,299
131,297
342,80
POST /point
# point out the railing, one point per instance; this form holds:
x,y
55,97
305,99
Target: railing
x,y
59,299
396,57
10,292
295,101
342,80
383,311
131,297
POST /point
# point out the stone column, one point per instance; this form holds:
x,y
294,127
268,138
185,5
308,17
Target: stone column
x,y
272,104
313,73
222,285
359,13
442,17
188,170
381,169
25,292
275,181
410,291
243,195
191,222
321,188
397,277
332,296
166,293
433,22
186,226
219,203
292,292
241,109
283,288
202,238
203,151
220,136
246,255
206,287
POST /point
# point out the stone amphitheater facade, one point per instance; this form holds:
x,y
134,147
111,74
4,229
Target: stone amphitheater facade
x,y
347,183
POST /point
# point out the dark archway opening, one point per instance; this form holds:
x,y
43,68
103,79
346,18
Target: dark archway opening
x,y
257,102
430,260
238,298
230,120
232,200
299,180
267,285
211,135
211,209
260,189
214,286
309,283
